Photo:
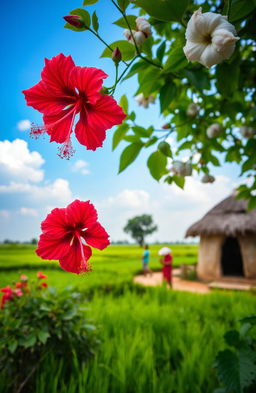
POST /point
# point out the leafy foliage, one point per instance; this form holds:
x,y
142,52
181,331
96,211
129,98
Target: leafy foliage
x,y
39,323
140,226
236,367
225,94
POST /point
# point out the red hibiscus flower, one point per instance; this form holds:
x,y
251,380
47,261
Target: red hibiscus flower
x,y
66,233
66,91
41,275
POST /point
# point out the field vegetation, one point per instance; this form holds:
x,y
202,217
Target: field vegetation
x,y
152,340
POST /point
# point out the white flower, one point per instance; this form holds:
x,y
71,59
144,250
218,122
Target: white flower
x,y
213,130
210,38
141,34
144,101
143,26
181,168
208,178
192,110
247,132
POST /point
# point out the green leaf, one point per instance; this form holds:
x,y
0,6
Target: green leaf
x,y
176,60
166,10
127,50
95,22
199,79
84,15
132,138
157,165
151,141
252,203
12,345
164,148
43,336
30,340
168,93
139,66
122,22
89,2
119,135
123,4
123,102
129,154
236,370
227,76
179,180
240,9
161,51
142,131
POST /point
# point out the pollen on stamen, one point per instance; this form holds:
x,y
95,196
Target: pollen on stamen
x,y
66,150
36,131
86,267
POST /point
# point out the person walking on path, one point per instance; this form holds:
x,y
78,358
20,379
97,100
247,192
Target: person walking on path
x,y
145,261
166,260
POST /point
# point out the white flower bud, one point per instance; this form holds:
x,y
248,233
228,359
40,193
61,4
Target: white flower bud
x,y
192,110
208,178
144,101
210,38
213,130
143,26
247,132
181,168
138,36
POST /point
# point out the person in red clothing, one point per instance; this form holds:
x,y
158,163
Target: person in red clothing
x,y
166,260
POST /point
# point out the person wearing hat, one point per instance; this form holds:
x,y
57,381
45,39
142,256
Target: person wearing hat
x,y
166,260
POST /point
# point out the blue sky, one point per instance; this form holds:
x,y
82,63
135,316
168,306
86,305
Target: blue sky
x,y
34,179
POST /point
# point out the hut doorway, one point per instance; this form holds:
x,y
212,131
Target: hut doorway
x,y
231,258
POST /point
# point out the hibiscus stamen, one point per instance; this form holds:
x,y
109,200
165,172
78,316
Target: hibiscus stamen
x,y
66,150
85,266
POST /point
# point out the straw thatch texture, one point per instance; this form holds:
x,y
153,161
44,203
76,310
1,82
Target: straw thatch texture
x,y
230,218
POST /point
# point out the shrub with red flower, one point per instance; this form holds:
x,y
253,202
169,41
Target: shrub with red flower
x,y
7,295
68,233
66,91
41,275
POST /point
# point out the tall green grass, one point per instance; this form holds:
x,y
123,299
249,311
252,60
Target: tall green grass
x,y
157,342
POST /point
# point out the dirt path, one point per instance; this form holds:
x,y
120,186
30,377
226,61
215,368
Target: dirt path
x,y
178,283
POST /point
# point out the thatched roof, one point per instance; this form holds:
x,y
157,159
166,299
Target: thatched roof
x,y
230,218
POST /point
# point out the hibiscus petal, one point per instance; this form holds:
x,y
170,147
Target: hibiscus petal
x,y
88,80
90,129
83,213
59,126
97,237
42,99
74,262
56,74
55,223
51,248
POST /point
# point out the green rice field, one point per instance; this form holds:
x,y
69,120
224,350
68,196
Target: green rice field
x,y
153,340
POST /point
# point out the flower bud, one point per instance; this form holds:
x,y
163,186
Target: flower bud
x,y
116,55
74,20
247,132
144,101
166,126
210,38
143,26
192,110
213,130
208,178
104,90
137,37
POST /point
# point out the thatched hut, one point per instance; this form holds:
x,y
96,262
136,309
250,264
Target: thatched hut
x,y
227,241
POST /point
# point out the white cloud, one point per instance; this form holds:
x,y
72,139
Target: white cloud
x,y
81,166
17,162
172,209
24,125
58,193
26,211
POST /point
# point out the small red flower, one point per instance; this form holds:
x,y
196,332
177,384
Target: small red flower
x,y
41,275
7,295
65,91
18,292
23,277
44,284
66,233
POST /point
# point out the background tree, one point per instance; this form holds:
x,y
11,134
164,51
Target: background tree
x,y
140,226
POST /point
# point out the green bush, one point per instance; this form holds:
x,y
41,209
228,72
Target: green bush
x,y
37,323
